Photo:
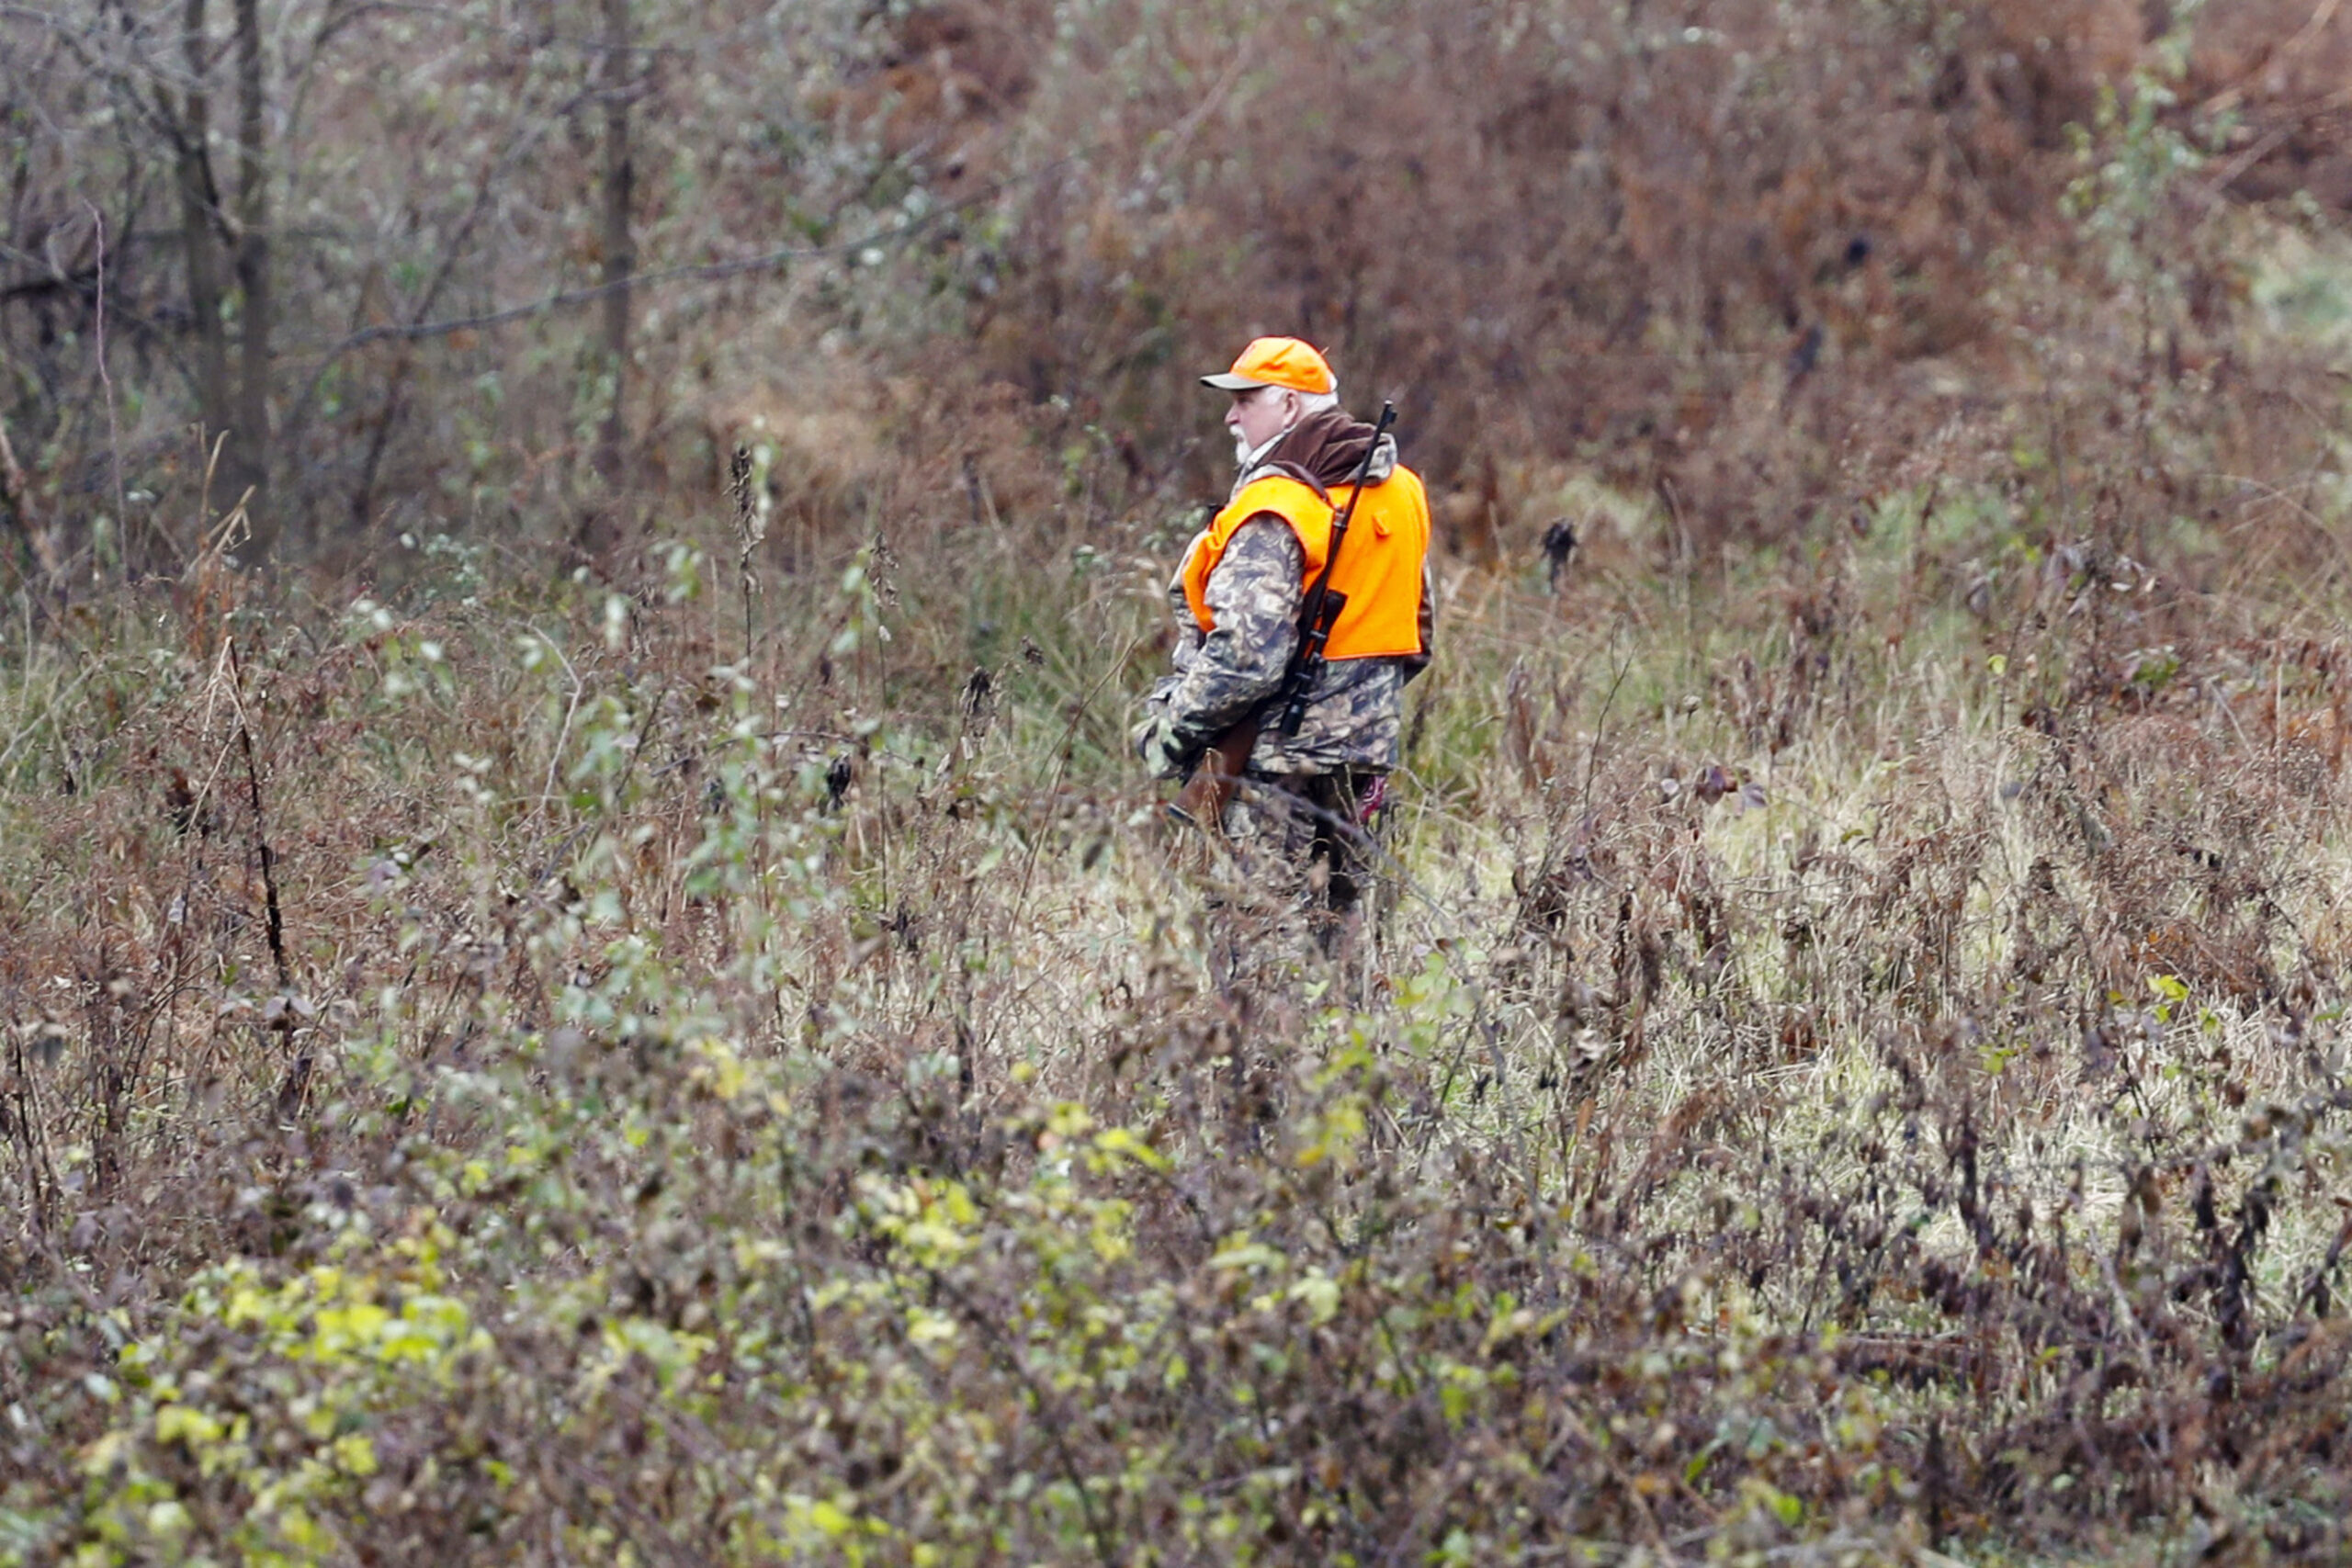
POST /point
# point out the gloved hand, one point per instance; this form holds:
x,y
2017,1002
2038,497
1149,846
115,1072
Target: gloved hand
x,y
1155,741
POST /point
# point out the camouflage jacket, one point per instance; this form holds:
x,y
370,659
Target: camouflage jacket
x,y
1354,709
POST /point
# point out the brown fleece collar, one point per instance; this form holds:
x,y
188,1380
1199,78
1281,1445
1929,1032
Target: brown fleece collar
x,y
1329,444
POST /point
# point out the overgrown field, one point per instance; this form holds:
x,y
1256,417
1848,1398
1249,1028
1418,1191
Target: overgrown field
x,y
501,1070
574,998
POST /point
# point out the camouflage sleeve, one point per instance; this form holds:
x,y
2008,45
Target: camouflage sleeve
x,y
1253,596
1179,610
1188,640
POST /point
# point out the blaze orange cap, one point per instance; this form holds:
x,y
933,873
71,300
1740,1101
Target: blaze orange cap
x,y
1276,361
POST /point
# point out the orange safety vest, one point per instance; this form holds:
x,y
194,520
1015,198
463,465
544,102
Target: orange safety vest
x,y
1380,560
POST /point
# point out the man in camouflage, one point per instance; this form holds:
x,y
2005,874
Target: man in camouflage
x,y
1298,822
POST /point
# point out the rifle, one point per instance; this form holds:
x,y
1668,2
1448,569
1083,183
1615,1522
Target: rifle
x,y
1322,611
1217,776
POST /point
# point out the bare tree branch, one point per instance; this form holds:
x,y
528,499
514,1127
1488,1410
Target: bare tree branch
x,y
708,272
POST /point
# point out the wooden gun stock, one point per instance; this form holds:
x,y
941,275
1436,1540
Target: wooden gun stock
x,y
1216,778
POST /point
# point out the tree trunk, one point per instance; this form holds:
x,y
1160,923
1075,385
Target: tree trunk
x,y
199,229
619,246
257,316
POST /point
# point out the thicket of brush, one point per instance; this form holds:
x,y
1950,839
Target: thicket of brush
x,y
1850,1064
703,1050
534,269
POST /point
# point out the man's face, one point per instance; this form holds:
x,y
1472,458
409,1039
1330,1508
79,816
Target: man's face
x,y
1259,416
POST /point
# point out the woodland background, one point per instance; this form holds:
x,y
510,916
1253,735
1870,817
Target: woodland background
x,y
530,274
571,995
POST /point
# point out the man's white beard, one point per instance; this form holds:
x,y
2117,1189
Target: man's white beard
x,y
1246,457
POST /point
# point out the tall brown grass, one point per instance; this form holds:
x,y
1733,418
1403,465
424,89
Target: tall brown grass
x,y
711,1055
1851,1065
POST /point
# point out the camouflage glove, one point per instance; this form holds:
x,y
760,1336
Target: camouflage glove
x,y
1154,742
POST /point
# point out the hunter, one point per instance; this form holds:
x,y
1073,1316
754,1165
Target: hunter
x,y
1303,798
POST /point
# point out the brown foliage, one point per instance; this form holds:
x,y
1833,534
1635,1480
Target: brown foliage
x,y
1849,1057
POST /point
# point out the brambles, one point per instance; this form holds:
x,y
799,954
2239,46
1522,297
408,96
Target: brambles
x,y
763,1109
553,1061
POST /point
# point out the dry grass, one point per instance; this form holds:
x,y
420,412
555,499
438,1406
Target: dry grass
x,y
1840,1073
709,1054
